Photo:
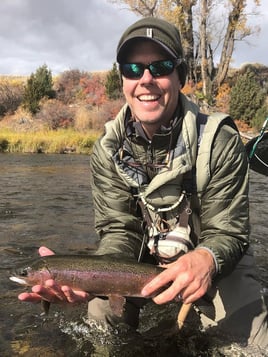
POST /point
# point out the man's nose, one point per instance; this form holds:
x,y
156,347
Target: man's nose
x,y
147,76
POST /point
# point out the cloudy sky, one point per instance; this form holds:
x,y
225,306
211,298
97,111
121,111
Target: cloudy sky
x,y
82,34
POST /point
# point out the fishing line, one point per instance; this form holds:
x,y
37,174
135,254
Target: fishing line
x,y
260,160
258,140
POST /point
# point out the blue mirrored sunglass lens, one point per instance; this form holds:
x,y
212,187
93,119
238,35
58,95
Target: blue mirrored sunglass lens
x,y
157,69
161,68
133,70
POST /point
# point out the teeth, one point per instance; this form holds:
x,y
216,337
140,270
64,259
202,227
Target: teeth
x,y
148,97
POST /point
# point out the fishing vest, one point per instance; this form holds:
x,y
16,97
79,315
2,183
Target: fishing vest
x,y
167,210
169,238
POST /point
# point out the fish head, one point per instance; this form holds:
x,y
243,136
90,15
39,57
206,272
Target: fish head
x,y
30,274
22,275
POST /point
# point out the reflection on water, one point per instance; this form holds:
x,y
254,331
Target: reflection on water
x,y
46,200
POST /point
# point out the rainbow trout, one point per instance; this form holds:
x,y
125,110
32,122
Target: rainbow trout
x,y
98,275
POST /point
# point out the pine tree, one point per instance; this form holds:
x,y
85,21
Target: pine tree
x,y
113,87
39,85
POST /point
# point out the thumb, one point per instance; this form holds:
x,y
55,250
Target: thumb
x,y
44,251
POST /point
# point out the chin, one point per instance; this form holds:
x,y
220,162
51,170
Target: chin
x,y
153,120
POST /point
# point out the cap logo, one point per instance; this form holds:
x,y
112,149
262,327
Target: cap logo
x,y
149,32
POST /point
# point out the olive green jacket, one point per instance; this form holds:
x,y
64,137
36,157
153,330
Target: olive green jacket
x,y
220,206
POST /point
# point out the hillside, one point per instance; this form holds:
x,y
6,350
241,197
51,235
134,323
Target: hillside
x,y
81,101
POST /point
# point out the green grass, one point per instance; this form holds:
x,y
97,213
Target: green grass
x,y
60,141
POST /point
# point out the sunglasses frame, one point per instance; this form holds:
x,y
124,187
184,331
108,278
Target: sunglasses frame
x,y
175,62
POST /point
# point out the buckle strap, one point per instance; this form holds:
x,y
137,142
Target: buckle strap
x,y
184,216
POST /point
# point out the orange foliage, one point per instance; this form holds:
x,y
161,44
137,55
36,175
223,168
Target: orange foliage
x,y
223,98
93,89
191,88
242,126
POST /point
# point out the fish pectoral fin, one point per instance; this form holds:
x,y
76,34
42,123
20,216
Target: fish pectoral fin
x,y
45,306
117,304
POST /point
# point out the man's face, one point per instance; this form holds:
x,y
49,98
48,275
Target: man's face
x,y
152,100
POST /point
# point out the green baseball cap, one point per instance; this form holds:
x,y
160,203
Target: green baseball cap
x,y
161,32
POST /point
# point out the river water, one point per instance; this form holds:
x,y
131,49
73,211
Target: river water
x,y
46,200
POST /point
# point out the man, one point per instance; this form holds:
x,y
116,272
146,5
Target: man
x,y
170,185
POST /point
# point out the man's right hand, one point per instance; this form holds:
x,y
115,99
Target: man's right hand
x,y
53,292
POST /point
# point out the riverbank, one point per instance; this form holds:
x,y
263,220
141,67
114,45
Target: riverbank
x,y
19,133
48,141
61,141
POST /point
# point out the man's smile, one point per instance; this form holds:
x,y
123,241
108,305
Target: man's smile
x,y
148,97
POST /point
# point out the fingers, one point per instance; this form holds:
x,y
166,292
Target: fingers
x,y
188,277
158,282
163,279
193,292
50,291
177,287
74,296
55,294
183,291
30,297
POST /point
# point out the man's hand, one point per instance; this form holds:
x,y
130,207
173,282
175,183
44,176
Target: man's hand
x,y
190,277
53,292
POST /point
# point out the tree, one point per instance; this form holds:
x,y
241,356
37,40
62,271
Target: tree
x,y
113,88
140,7
204,48
208,28
236,30
39,85
246,97
180,13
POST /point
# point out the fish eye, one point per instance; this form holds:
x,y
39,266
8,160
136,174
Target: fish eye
x,y
24,271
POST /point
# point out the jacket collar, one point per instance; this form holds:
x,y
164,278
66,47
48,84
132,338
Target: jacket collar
x,y
135,132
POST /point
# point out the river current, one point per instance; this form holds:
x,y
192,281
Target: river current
x,y
46,200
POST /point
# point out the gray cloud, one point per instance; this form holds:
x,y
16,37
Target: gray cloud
x,y
79,34
61,33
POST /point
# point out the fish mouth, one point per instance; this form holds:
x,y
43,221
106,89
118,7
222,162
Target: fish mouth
x,y
18,280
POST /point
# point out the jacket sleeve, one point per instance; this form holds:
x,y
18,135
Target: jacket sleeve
x,y
224,204
116,219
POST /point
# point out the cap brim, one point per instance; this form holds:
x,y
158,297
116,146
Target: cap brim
x,y
122,50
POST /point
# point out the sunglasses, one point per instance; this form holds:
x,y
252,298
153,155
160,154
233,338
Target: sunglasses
x,y
156,68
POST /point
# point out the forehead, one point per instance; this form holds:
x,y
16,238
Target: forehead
x,y
143,49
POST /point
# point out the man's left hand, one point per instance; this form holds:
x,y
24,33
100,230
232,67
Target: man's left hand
x,y
190,277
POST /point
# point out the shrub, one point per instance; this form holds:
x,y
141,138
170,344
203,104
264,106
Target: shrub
x,y
39,85
11,95
82,120
108,111
246,97
56,114
67,85
259,118
93,90
113,87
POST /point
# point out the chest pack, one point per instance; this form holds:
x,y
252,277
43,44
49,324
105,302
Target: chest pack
x,y
168,239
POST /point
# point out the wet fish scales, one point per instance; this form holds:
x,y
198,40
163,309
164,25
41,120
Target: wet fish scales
x,y
98,275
